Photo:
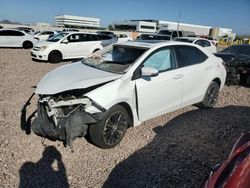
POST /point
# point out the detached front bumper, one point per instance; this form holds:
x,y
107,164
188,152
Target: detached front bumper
x,y
67,129
39,55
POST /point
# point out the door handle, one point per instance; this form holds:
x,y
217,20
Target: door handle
x,y
178,76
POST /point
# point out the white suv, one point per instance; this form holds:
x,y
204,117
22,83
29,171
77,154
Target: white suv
x,y
123,85
69,45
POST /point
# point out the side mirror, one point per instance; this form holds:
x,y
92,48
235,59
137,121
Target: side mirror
x,y
65,41
149,72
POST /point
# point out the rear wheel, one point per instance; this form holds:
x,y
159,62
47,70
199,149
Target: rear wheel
x,y
211,96
248,80
111,129
27,44
55,57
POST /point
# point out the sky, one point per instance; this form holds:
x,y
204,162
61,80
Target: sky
x,y
234,14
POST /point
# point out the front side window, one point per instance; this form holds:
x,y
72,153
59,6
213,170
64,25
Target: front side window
x,y
162,60
57,37
74,38
189,55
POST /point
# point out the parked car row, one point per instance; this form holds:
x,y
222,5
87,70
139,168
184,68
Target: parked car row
x,y
55,46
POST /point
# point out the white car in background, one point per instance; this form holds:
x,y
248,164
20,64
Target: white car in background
x,y
123,38
44,35
121,86
207,44
69,45
16,38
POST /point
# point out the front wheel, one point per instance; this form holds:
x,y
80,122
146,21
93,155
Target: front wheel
x,y
211,96
55,57
111,129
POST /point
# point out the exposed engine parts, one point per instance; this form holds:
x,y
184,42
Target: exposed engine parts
x,y
64,118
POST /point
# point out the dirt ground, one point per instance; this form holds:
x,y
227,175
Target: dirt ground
x,y
174,150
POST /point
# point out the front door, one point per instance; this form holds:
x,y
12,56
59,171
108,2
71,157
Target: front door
x,y
163,93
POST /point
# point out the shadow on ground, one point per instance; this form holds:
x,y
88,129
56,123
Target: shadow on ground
x,y
63,61
184,150
48,172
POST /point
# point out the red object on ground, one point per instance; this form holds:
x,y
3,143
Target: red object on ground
x,y
235,171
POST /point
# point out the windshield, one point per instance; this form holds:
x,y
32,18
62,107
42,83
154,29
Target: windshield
x,y
57,37
115,59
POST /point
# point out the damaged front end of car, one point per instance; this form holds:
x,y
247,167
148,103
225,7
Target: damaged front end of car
x,y
63,116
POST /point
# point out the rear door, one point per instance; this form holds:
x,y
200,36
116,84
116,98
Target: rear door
x,y
195,68
90,43
4,38
16,38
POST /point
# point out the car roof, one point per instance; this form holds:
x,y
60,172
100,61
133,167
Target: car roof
x,y
151,44
4,29
192,38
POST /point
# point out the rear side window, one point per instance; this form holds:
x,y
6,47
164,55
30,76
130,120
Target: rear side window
x,y
189,55
104,37
203,43
3,33
11,33
89,37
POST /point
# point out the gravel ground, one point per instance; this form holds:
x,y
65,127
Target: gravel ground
x,y
174,150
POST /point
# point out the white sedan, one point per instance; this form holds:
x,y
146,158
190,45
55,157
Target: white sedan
x,y
16,38
207,44
123,85
44,35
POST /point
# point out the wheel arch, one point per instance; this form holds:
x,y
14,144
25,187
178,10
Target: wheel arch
x,y
96,49
129,110
56,50
27,41
217,80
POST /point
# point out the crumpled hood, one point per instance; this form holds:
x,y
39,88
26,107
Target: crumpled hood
x,y
73,76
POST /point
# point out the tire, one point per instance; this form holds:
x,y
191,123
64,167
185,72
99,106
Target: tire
x,y
55,57
248,80
27,44
210,97
108,133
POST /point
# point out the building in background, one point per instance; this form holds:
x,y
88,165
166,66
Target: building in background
x,y
136,25
153,26
70,21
